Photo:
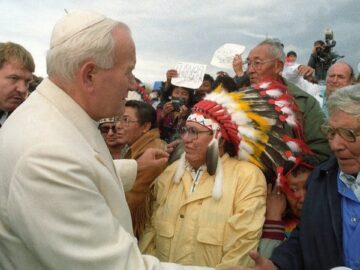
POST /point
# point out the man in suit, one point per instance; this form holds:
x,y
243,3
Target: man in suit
x,y
16,68
62,202
328,234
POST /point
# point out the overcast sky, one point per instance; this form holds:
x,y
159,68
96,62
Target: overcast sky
x,y
169,31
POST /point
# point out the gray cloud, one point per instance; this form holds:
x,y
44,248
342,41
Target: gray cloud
x,y
166,32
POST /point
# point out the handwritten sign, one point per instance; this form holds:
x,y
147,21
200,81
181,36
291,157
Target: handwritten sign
x,y
223,57
190,75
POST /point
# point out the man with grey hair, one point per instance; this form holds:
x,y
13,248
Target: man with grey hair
x,y
61,195
16,73
266,61
328,234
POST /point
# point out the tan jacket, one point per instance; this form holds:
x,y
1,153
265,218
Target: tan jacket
x,y
196,229
138,198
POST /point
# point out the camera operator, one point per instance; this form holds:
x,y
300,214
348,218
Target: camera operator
x,y
172,113
318,60
322,57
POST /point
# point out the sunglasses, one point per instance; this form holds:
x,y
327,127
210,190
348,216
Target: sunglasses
x,y
106,129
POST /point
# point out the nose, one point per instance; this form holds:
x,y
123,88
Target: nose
x,y
186,138
334,79
250,68
337,143
132,83
22,87
300,195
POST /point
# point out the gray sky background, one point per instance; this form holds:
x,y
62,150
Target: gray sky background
x,y
167,32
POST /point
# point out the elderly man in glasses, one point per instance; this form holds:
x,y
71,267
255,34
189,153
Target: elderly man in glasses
x,y
329,230
266,61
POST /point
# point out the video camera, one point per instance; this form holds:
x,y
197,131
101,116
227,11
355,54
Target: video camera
x,y
329,39
324,53
177,102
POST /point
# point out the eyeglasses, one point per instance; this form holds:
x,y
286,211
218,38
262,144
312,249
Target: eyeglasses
x,y
105,129
256,64
192,132
126,121
347,134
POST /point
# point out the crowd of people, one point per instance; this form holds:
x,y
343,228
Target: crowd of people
x,y
259,170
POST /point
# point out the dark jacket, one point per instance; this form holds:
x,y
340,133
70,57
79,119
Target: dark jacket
x,y
317,242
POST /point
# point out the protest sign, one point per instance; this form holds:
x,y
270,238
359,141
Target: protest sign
x,y
190,75
223,57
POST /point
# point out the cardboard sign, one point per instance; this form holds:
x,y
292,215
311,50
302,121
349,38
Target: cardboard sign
x,y
224,56
190,75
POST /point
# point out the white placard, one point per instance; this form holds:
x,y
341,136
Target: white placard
x,y
224,56
190,75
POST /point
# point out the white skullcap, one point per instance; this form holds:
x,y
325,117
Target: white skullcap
x,y
72,24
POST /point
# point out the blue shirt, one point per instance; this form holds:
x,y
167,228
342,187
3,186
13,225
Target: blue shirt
x,y
350,208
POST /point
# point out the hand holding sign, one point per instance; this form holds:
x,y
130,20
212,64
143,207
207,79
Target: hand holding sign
x,y
190,75
223,57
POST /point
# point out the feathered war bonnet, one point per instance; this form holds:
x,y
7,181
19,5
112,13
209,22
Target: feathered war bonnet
x,y
260,122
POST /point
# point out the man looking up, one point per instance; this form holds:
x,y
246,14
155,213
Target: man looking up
x,y
16,68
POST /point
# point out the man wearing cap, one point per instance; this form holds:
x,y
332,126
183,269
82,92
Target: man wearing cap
x,y
16,68
61,197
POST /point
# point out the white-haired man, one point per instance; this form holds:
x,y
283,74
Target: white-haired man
x,y
61,199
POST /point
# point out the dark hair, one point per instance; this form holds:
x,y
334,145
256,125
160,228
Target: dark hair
x,y
13,51
319,42
227,82
144,112
209,78
308,164
291,53
230,149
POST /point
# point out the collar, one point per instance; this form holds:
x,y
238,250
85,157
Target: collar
x,y
348,179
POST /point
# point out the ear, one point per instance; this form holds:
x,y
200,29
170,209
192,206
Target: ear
x,y
87,75
146,127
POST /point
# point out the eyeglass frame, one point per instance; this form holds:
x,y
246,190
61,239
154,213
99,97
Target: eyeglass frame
x,y
330,132
259,63
192,135
125,121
